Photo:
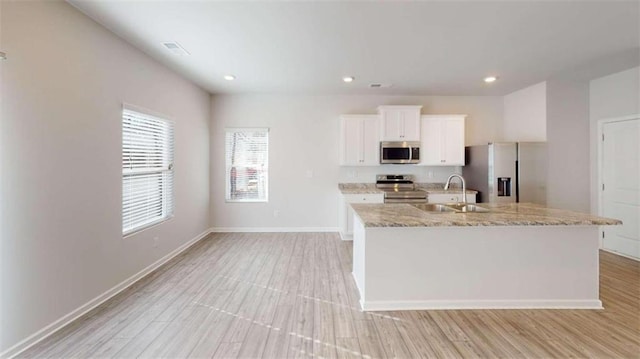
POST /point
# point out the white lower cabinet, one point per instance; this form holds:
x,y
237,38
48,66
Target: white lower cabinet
x,y
449,198
345,212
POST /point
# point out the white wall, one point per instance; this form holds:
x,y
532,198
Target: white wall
x,y
610,96
304,136
568,144
525,115
615,95
60,149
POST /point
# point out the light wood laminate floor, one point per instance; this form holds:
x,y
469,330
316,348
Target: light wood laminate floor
x,y
281,295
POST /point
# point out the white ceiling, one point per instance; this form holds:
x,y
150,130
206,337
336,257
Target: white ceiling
x,y
422,48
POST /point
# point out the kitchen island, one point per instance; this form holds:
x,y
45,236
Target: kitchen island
x,y
514,256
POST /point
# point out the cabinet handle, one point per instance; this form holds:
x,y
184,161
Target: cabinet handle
x,y
443,161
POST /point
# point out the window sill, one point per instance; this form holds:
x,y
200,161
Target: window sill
x,y
145,227
246,200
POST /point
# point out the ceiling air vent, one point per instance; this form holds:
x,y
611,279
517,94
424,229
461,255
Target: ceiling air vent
x,y
377,86
175,48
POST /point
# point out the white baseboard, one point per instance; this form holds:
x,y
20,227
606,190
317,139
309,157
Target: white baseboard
x,y
620,254
346,237
479,304
92,304
272,229
358,287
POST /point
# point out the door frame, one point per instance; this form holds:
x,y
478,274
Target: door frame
x,y
600,174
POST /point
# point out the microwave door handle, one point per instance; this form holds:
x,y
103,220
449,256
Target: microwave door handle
x,y
410,153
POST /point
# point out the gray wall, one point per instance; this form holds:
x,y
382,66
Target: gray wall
x,y
60,150
525,114
568,144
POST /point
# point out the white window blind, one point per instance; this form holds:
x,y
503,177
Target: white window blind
x,y
247,165
147,170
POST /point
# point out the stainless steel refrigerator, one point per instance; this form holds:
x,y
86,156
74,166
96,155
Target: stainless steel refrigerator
x,y
507,172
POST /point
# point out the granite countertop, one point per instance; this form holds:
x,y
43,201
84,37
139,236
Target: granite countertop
x,y
433,188
358,188
512,214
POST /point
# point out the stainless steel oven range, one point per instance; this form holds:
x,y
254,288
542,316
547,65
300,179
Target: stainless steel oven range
x,y
400,189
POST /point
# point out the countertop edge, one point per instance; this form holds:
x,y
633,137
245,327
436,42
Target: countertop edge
x,y
520,215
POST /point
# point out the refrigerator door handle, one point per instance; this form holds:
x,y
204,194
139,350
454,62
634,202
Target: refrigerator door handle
x,y
517,182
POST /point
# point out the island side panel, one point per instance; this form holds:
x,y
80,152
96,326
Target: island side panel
x,y
479,267
359,255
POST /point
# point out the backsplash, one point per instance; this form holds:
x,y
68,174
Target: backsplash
x,y
423,174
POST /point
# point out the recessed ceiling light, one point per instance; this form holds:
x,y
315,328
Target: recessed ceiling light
x,y
348,79
490,79
229,77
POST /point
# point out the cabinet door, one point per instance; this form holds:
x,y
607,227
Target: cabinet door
x,y
370,142
347,211
453,141
400,123
410,125
431,144
392,121
442,140
351,142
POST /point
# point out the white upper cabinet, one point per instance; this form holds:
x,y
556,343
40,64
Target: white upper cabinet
x,y
360,140
400,123
442,140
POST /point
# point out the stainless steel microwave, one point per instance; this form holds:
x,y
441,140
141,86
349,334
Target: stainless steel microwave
x,y
400,152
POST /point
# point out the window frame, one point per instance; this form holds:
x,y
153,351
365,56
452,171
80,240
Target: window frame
x,y
227,169
167,196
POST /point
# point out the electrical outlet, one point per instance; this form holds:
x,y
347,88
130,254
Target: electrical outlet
x,y
430,174
276,213
155,242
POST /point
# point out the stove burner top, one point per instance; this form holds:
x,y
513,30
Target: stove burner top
x,y
400,189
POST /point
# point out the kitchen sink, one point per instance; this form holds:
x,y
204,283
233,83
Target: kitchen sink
x,y
451,208
433,207
467,207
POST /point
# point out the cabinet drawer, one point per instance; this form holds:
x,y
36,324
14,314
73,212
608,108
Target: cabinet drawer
x,y
364,198
450,198
444,198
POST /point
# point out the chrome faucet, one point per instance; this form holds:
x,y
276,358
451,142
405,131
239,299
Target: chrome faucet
x,y
464,186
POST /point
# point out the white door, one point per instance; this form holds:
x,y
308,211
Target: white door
x,y
621,185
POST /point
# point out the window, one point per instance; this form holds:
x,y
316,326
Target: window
x,y
247,164
147,170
